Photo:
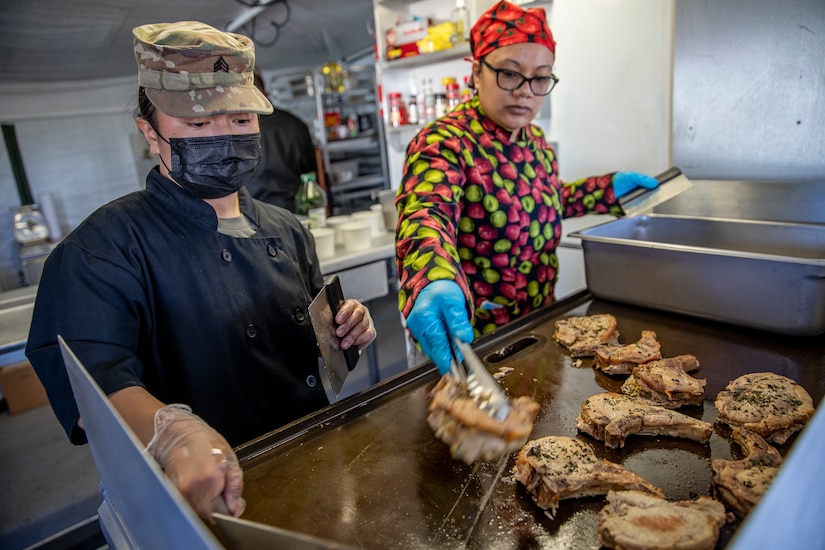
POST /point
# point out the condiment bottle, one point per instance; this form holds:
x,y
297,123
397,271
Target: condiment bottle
x,y
429,101
352,125
412,111
398,115
440,105
452,95
461,21
310,200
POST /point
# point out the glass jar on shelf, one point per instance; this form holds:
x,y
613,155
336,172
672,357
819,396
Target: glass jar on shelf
x,y
333,77
398,111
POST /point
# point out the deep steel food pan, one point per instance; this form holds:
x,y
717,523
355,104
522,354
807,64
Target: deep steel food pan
x,y
764,275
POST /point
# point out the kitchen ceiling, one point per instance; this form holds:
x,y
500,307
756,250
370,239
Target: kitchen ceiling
x,y
71,40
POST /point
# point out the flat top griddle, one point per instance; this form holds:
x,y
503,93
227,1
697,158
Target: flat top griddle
x,y
368,472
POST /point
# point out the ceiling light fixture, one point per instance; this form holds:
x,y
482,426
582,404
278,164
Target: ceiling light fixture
x,y
246,22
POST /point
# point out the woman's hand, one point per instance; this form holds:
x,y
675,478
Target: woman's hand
x,y
625,182
439,315
198,460
354,325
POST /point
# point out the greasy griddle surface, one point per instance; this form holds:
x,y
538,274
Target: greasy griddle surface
x,y
375,476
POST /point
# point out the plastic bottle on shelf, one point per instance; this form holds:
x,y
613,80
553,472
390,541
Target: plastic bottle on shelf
x,y
352,124
311,201
412,111
451,87
441,107
452,96
332,116
461,21
429,101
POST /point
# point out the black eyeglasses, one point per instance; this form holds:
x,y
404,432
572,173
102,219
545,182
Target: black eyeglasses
x,y
512,80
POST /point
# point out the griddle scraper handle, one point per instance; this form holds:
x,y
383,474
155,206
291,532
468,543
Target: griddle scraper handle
x,y
335,297
662,178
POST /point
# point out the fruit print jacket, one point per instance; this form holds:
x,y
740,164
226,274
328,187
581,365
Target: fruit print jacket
x,y
486,212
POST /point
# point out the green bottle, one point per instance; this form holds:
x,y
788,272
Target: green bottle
x,y
311,201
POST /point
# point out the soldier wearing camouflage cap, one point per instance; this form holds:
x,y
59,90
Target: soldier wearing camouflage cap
x,y
190,69
187,300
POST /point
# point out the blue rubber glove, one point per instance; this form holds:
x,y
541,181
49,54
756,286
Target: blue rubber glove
x,y
625,182
440,313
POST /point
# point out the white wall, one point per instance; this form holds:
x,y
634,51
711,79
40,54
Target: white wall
x,y
611,109
77,143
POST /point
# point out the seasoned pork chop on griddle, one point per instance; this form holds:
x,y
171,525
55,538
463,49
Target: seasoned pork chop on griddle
x,y
611,417
618,359
666,383
471,432
555,468
633,520
740,484
769,404
583,335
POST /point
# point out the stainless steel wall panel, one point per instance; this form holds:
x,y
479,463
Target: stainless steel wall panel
x,y
749,89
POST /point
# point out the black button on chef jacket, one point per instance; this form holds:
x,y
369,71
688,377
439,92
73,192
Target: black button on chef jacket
x,y
147,292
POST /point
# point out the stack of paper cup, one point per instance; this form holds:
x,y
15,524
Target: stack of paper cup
x,y
335,222
375,219
324,242
357,236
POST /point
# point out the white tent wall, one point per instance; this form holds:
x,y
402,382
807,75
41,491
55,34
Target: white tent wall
x,y
77,142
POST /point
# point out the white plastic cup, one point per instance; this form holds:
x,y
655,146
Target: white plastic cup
x,y
324,242
387,200
375,219
357,236
335,222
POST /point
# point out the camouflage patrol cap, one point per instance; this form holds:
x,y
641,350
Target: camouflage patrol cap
x,y
190,69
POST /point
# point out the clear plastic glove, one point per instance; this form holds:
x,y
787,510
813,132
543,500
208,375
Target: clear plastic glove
x,y
625,182
198,460
439,313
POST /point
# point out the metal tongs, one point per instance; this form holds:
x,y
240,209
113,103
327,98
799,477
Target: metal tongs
x,y
483,388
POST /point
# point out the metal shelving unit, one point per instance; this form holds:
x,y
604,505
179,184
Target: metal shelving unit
x,y
304,93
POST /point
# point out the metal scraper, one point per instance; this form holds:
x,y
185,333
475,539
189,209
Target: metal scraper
x,y
641,200
337,362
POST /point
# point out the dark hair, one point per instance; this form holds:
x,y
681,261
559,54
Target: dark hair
x,y
145,108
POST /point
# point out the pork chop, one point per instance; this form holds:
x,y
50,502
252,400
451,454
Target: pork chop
x,y
472,433
583,335
611,417
617,359
666,383
555,468
632,520
769,404
740,484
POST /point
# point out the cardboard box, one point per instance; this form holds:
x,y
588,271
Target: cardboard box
x,y
22,387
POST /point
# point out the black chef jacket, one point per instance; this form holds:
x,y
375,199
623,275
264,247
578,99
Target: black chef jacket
x,y
146,292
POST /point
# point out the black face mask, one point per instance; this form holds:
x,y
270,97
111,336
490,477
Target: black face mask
x,y
216,166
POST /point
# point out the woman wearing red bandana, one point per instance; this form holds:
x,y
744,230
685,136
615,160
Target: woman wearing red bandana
x,y
481,203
